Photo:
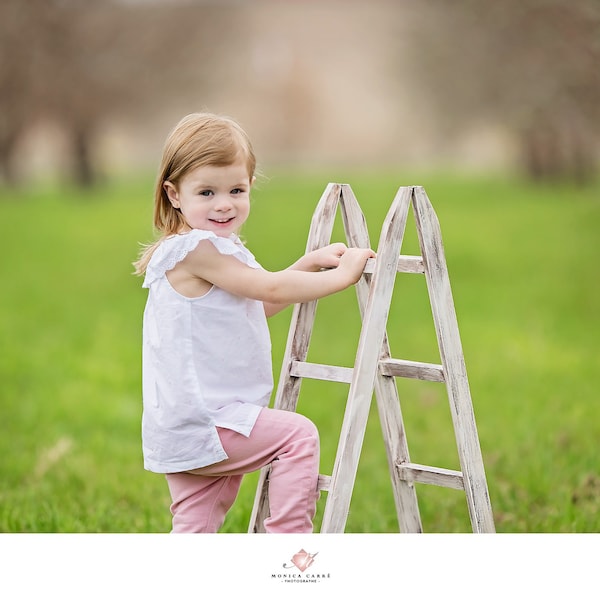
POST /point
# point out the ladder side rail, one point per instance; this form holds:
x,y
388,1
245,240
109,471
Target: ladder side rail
x,y
396,444
303,316
260,508
386,392
390,413
365,369
451,353
353,219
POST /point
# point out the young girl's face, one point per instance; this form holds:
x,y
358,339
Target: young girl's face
x,y
212,198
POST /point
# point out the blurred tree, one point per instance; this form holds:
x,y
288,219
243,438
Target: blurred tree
x,y
79,64
530,65
17,76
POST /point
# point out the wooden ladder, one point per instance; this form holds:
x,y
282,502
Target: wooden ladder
x,y
375,369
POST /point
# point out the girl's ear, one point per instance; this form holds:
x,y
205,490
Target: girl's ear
x,y
172,194
252,180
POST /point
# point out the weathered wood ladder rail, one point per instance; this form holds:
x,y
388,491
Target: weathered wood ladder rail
x,y
375,369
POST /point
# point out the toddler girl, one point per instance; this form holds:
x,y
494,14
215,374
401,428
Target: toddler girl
x,y
207,376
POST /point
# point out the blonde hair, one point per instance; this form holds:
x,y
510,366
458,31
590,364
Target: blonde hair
x,y
198,140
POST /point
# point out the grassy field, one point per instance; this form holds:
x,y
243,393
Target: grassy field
x,y
523,263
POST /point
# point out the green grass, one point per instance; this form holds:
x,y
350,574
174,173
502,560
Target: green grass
x,y
523,263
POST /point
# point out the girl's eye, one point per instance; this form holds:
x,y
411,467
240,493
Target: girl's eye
x,y
236,191
206,193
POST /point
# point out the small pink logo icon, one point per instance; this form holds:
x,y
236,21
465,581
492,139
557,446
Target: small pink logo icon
x,y
302,560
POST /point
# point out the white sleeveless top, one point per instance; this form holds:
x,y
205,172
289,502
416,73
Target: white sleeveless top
x,y
206,361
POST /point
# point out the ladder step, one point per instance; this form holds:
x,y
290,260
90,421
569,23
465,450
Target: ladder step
x,y
412,370
418,473
406,264
431,475
392,367
324,482
323,372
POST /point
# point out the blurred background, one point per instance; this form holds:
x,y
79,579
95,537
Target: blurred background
x,y
90,89
494,107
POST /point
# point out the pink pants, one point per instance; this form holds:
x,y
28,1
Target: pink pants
x,y
286,440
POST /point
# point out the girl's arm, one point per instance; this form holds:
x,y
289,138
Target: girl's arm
x,y
327,257
302,282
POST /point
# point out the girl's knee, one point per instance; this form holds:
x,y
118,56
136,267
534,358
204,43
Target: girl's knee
x,y
308,427
306,439
284,428
306,430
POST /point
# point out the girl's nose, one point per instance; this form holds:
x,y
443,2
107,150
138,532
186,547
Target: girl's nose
x,y
223,203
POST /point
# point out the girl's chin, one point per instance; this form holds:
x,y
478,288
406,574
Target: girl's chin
x,y
222,231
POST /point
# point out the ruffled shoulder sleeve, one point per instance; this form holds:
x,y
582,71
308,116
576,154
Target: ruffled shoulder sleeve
x,y
175,248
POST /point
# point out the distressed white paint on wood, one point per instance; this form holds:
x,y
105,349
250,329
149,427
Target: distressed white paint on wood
x,y
365,368
406,264
303,315
323,483
374,369
449,343
322,372
393,367
431,475
388,403
386,393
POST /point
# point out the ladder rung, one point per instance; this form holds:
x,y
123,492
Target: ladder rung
x,y
323,482
394,367
324,372
431,475
406,264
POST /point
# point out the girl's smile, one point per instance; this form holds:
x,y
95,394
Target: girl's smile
x,y
213,198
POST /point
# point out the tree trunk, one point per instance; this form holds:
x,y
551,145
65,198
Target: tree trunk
x,y
83,170
8,145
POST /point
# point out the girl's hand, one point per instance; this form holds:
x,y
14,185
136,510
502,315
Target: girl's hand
x,y
341,266
327,257
334,256
353,262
